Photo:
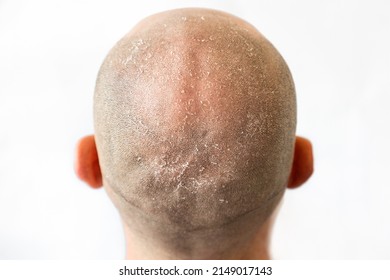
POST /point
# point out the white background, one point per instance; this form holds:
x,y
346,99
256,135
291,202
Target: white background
x,y
338,53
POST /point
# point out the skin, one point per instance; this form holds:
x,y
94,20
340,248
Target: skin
x,y
195,143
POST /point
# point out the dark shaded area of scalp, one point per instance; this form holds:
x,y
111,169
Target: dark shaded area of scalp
x,y
195,122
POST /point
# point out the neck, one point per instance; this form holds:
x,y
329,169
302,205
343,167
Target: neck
x,y
255,249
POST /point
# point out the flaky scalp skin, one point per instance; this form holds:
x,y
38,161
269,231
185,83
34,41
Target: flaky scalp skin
x,y
195,119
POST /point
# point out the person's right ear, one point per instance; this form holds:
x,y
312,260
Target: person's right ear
x,y
302,167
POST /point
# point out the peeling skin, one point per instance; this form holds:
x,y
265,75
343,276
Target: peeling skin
x,y
195,119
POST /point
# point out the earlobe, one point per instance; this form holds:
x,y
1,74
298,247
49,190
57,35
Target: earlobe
x,y
87,165
302,167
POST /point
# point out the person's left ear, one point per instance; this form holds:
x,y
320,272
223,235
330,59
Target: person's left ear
x,y
87,166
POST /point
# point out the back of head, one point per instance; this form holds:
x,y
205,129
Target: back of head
x,y
195,120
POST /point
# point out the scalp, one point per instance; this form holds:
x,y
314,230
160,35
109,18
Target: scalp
x,y
195,121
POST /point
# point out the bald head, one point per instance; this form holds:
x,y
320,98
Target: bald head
x,y
195,120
